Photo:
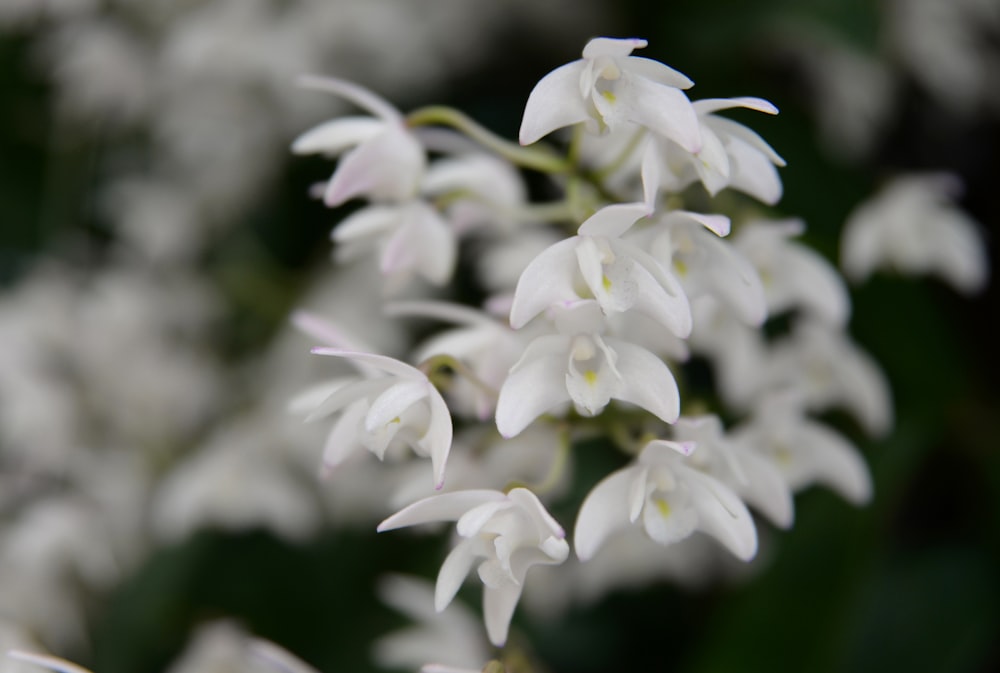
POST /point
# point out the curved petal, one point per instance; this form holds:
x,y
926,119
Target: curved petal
x,y
359,95
498,608
765,489
663,109
721,513
614,220
437,440
388,166
709,105
546,280
454,570
555,102
829,459
615,47
646,380
335,136
604,511
381,362
532,388
658,72
366,223
441,507
343,438
394,401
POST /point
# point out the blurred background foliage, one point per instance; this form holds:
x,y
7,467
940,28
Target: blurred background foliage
x,y
910,583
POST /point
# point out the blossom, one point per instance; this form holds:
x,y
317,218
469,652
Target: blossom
x,y
397,402
588,369
608,88
731,155
673,499
794,276
387,161
805,451
913,225
511,532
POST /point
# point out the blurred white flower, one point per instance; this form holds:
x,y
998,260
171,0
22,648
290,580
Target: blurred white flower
x,y
914,227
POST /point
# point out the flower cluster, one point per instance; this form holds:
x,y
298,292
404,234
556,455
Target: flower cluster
x,y
590,307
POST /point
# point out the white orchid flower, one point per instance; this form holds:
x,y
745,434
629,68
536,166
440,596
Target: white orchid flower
x,y
398,403
588,369
731,155
692,245
805,451
511,532
608,88
750,475
913,226
412,238
673,499
618,274
794,275
828,369
387,161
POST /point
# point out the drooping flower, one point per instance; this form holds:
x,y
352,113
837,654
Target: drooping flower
x,y
398,403
913,226
731,155
387,161
510,533
608,88
588,369
673,499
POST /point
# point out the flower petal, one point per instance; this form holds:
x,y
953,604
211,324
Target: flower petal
x,y
548,279
710,105
335,136
555,102
454,570
532,388
604,511
646,380
394,401
441,507
614,220
498,608
663,109
721,513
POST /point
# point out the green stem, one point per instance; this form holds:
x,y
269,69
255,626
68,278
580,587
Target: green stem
x,y
527,157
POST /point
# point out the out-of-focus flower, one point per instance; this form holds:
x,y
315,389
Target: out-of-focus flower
x,y
511,531
914,227
399,402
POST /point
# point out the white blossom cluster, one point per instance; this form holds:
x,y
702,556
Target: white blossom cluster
x,y
592,303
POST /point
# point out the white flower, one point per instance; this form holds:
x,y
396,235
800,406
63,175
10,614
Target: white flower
x,y
618,274
608,88
673,499
749,474
914,227
387,161
731,155
400,404
511,532
828,369
804,451
411,237
794,275
453,637
588,369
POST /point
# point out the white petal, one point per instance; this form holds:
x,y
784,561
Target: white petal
x,y
751,173
473,521
441,507
278,658
710,105
498,608
46,661
546,280
454,569
437,440
614,220
658,72
394,401
380,362
712,162
829,459
388,166
359,95
529,502
765,489
532,388
647,381
615,47
738,132
722,514
367,222
604,511
555,102
662,109
820,287
336,135
343,438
